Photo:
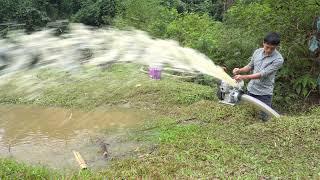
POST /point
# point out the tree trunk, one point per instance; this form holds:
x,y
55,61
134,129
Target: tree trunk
x,y
227,4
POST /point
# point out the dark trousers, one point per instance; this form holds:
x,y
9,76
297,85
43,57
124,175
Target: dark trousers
x,y
267,99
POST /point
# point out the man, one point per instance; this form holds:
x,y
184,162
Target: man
x,y
265,62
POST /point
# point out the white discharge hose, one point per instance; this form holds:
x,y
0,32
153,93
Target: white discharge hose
x,y
260,105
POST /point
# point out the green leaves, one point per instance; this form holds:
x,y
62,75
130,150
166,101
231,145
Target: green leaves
x,y
33,18
147,15
196,31
96,13
304,84
253,18
213,8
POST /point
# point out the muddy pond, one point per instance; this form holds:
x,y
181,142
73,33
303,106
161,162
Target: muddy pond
x,y
48,136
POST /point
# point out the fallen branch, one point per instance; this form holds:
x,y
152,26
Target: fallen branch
x,y
80,160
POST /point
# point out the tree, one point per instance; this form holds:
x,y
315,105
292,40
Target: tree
x,y
214,8
96,13
8,10
33,18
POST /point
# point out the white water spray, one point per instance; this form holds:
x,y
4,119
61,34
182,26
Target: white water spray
x,y
86,46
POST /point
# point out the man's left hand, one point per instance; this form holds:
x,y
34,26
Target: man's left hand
x,y
238,77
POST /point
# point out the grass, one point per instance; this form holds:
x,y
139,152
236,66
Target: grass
x,y
9,169
94,88
193,136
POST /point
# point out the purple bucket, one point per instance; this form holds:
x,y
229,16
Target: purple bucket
x,y
155,73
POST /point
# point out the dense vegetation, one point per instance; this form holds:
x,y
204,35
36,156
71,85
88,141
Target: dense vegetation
x,y
225,30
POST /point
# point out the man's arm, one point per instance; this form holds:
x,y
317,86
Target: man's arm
x,y
242,70
274,66
246,68
250,76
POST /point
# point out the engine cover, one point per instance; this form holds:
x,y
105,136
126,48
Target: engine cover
x,y
228,94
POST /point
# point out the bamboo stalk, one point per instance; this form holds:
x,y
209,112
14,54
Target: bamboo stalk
x,y
80,160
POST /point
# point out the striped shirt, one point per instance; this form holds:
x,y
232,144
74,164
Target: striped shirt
x,y
267,66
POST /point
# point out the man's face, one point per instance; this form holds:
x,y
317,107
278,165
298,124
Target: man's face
x,y
268,48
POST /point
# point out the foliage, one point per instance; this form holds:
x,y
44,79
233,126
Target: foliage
x,y
214,8
146,15
32,12
194,31
96,13
33,18
303,83
8,10
139,14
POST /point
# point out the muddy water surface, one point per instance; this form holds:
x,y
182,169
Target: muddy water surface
x,y
47,136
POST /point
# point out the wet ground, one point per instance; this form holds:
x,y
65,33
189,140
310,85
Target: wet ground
x,y
47,136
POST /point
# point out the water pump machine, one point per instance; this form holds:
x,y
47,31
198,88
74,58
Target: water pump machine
x,y
228,94
234,95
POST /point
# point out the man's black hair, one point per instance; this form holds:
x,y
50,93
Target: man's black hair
x,y
272,38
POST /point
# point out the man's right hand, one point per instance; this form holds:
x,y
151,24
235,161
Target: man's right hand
x,y
236,71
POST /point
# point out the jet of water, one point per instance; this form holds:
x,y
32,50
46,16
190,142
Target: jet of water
x,y
84,45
